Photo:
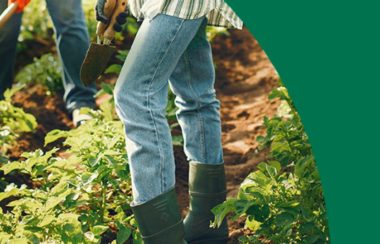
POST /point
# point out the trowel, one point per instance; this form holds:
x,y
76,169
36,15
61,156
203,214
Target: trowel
x,y
99,53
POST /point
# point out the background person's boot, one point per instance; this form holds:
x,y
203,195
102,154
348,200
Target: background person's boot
x,y
159,220
207,188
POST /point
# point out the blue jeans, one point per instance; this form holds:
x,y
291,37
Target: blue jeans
x,y
168,51
72,42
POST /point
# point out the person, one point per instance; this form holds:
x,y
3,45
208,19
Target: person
x,y
72,40
171,49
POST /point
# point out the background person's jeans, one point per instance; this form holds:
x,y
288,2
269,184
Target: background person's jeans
x,y
72,42
168,50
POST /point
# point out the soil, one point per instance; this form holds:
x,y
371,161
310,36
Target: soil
x,y
50,113
245,77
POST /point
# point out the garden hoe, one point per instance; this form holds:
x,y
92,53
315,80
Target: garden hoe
x,y
100,53
7,13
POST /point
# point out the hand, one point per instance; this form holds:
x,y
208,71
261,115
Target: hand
x,y
21,4
101,16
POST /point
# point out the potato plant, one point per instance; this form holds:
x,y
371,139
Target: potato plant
x,y
282,201
13,121
46,70
80,194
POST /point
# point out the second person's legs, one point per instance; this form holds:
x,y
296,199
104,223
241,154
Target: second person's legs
x,y
72,42
8,42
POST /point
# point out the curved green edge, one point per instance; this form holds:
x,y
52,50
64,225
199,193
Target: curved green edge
x,y
327,53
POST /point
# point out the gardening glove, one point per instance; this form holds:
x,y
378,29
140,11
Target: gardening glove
x,y
21,4
121,19
99,10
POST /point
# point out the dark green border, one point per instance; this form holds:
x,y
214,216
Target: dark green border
x,y
328,55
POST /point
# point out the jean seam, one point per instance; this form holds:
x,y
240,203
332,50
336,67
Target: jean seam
x,y
149,86
200,119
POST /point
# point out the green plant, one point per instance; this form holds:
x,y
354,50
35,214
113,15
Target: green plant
x,y
89,13
46,70
35,26
213,32
116,68
282,200
40,27
13,121
83,192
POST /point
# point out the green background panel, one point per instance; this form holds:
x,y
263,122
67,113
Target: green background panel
x,y
327,53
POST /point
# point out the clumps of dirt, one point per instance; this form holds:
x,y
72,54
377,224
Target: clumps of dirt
x,y
245,77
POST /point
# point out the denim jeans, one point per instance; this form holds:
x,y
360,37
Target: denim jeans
x,y
72,41
168,51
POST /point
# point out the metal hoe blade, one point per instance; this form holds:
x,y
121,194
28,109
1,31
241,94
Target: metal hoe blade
x,y
95,62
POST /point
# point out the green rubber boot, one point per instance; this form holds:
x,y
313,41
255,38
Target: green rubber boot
x,y
207,188
159,220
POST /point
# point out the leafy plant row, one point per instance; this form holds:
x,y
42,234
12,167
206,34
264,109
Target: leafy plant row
x,y
80,195
282,201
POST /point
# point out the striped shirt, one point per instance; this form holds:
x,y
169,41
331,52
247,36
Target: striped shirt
x,y
217,12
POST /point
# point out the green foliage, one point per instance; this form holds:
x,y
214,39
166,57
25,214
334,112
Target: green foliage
x,y
213,32
171,111
131,27
116,68
13,121
39,26
36,26
46,70
89,13
282,200
83,192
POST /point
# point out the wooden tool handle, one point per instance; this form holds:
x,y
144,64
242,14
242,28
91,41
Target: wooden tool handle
x,y
109,8
121,6
7,14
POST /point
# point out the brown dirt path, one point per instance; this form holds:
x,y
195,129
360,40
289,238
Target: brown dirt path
x,y
245,78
